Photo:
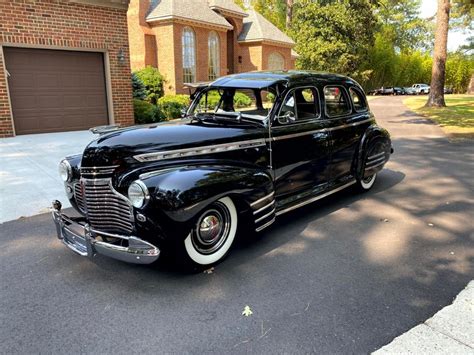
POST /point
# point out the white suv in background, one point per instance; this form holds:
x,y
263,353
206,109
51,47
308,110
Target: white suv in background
x,y
421,88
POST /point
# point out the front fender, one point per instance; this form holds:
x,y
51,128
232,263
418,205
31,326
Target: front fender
x,y
183,192
374,135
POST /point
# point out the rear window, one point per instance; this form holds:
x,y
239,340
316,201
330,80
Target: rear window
x,y
337,103
358,100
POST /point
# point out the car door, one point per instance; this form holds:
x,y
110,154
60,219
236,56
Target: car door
x,y
300,145
348,110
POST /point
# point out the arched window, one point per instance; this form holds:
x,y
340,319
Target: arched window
x,y
276,61
214,56
189,55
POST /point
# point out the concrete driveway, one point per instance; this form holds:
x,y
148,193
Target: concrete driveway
x,y
29,178
344,275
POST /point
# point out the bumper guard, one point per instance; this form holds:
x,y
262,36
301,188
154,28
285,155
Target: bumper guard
x,y
78,236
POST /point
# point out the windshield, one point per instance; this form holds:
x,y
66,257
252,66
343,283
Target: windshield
x,y
234,102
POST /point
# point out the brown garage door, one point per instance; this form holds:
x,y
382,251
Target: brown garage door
x,y
53,91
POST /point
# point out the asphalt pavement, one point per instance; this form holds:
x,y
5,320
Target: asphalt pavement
x,y
344,275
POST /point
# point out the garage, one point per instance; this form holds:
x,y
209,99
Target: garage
x,y
56,90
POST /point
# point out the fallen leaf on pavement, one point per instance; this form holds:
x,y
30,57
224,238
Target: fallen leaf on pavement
x,y
247,311
209,271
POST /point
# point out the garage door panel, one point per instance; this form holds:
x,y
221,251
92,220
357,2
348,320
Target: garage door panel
x,y
56,90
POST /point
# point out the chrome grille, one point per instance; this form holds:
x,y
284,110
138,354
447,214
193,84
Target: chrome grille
x,y
79,198
97,172
107,210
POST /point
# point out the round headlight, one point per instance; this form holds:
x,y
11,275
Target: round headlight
x,y
138,194
65,170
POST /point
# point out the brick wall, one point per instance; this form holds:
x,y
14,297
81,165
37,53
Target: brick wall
x,y
60,24
170,57
267,49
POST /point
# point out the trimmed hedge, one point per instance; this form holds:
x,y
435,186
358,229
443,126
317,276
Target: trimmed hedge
x,y
172,105
153,81
144,112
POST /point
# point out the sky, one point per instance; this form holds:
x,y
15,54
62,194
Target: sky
x,y
455,38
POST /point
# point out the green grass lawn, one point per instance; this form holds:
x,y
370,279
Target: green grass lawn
x,y
457,119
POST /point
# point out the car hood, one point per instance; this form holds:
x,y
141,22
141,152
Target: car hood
x,y
120,147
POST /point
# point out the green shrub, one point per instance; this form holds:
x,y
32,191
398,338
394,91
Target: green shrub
x,y
139,90
153,81
144,112
242,100
172,105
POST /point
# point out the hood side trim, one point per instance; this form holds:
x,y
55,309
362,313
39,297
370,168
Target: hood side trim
x,y
210,149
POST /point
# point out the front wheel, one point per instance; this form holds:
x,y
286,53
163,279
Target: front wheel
x,y
213,233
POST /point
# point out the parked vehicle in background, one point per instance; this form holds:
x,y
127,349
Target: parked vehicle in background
x,y
448,90
421,89
237,156
409,90
398,91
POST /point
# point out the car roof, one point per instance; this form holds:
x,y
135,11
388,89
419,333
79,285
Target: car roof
x,y
264,79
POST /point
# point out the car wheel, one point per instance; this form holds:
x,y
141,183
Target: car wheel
x,y
213,233
367,183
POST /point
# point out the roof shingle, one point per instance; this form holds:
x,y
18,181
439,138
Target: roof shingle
x,y
195,10
258,28
227,5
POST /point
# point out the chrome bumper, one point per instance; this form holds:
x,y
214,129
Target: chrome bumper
x,y
78,236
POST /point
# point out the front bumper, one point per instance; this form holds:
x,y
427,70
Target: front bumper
x,y
78,236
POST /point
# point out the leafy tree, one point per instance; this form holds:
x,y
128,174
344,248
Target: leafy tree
x,y
333,35
139,91
153,81
400,23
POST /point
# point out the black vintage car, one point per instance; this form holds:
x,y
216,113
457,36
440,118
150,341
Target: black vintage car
x,y
251,147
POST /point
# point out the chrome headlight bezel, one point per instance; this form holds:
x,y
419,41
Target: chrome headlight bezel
x,y
65,170
138,194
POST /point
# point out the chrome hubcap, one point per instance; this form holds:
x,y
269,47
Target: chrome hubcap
x,y
209,228
212,229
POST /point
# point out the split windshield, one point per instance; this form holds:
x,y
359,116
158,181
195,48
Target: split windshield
x,y
234,103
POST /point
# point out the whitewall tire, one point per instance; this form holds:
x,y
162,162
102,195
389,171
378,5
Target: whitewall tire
x,y
213,233
367,183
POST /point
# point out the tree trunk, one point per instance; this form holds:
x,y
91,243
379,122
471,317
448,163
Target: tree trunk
x,y
289,13
438,72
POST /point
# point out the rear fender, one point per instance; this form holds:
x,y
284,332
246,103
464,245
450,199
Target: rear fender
x,y
374,152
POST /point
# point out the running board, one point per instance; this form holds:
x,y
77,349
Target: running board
x,y
315,198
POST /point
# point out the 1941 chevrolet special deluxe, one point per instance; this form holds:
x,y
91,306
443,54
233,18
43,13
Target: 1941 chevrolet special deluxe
x,y
250,147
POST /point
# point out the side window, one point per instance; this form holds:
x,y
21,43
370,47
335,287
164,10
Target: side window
x,y
307,103
358,100
302,104
336,100
288,110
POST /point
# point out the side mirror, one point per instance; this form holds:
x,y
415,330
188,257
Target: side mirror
x,y
184,112
286,118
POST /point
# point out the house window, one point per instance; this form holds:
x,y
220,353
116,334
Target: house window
x,y
189,55
276,61
214,56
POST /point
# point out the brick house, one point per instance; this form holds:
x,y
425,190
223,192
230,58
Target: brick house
x,y
64,65
200,40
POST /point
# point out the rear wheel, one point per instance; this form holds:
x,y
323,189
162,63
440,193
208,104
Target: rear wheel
x,y
213,233
367,183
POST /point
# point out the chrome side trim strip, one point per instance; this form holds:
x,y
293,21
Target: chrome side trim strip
x,y
376,156
209,149
375,166
265,225
301,204
375,162
264,207
262,199
294,135
266,215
